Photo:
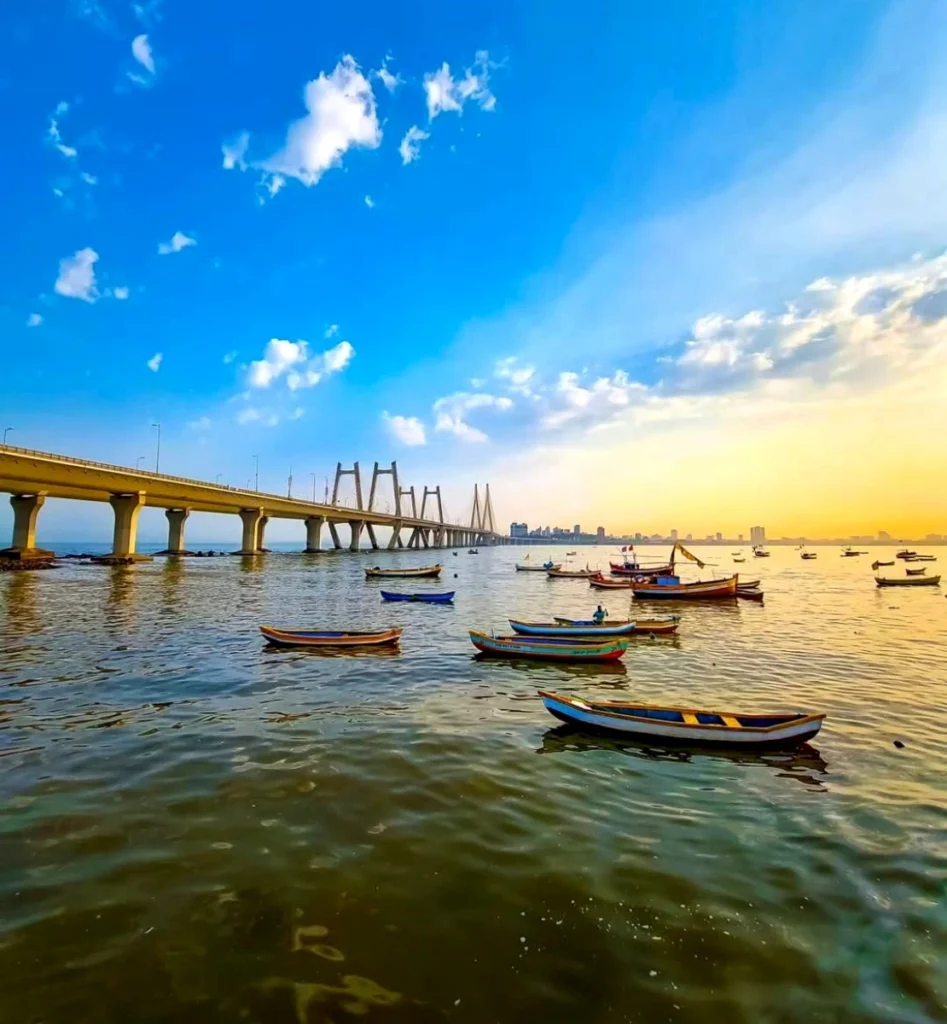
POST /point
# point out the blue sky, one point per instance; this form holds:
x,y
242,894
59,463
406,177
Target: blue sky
x,y
479,234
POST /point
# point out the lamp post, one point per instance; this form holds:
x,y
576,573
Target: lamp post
x,y
289,483
139,461
6,430
256,473
217,478
157,426
313,475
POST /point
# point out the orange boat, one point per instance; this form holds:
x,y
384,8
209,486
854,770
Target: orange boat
x,y
687,591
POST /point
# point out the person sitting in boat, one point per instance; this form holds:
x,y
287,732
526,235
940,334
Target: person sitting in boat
x,y
598,616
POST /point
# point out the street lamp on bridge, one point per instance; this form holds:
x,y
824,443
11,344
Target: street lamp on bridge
x,y
6,430
157,426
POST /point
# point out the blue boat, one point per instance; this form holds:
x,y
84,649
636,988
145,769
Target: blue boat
x,y
447,598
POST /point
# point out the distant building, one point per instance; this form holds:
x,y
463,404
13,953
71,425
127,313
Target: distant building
x,y
689,537
638,537
576,530
757,534
740,538
884,537
719,537
519,530
600,535
674,536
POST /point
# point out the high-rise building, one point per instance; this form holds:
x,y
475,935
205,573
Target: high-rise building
x,y
757,534
576,530
674,536
600,535
519,530
719,537
740,538
884,537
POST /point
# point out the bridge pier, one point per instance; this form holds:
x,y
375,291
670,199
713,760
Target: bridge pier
x,y
177,517
334,530
370,530
355,525
263,521
314,534
252,530
25,512
396,541
127,508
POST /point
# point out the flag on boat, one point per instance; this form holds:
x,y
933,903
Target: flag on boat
x,y
688,555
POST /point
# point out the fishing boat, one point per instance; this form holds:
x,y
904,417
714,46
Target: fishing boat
x,y
739,559
909,581
569,554
750,593
905,553
760,553
876,565
545,567
549,648
850,553
574,629
688,591
557,573
387,595
473,551
684,725
421,572
925,558
329,638
600,582
642,627
809,555
749,584
634,569
917,572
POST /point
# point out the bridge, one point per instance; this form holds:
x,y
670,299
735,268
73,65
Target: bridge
x,y
30,477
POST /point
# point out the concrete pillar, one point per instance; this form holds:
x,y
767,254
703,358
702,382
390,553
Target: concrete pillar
x,y
395,541
426,538
259,537
334,530
127,508
251,518
355,525
370,530
25,510
177,517
314,534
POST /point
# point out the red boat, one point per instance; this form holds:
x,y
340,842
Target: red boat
x,y
709,589
634,569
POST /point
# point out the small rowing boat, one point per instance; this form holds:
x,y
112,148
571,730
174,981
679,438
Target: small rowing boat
x,y
684,725
739,559
569,574
548,648
760,553
905,553
634,569
877,565
520,567
641,626
925,558
387,595
910,581
917,572
420,572
574,629
688,591
328,638
807,556
473,551
600,582
750,593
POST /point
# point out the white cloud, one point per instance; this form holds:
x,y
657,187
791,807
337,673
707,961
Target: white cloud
x,y
409,430
204,423
341,114
34,320
89,179
178,242
54,135
369,202
387,79
293,359
410,146
141,51
235,152
249,415
77,276
445,93
518,376
450,413
154,363
331,331
297,413
120,292
229,357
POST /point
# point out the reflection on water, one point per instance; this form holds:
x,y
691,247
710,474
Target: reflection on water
x,y
196,827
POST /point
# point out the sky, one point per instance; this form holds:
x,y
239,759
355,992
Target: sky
x,y
636,265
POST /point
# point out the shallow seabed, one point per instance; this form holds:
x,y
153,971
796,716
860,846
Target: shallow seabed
x,y
193,828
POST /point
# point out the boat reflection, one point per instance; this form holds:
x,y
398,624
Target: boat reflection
x,y
802,764
296,653
592,670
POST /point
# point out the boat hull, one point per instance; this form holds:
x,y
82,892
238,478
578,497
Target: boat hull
x,y
712,589
555,629
641,626
534,568
619,569
910,581
671,725
548,649
328,638
423,572
446,598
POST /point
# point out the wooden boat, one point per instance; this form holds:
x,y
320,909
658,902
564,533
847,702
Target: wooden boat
x,y
329,638
760,553
549,648
708,589
569,554
910,581
421,572
536,568
749,584
600,582
668,624
684,725
750,593
849,553
387,595
808,555
574,629
917,572
634,569
473,551
739,559
876,565
925,558
569,574
905,553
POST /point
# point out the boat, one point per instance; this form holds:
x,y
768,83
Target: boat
x,y
909,581
634,569
329,638
808,555
600,582
668,624
569,554
387,595
739,559
473,551
549,648
925,558
749,584
557,573
707,589
760,553
684,725
574,629
905,553
421,572
917,572
545,567
750,593
876,565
